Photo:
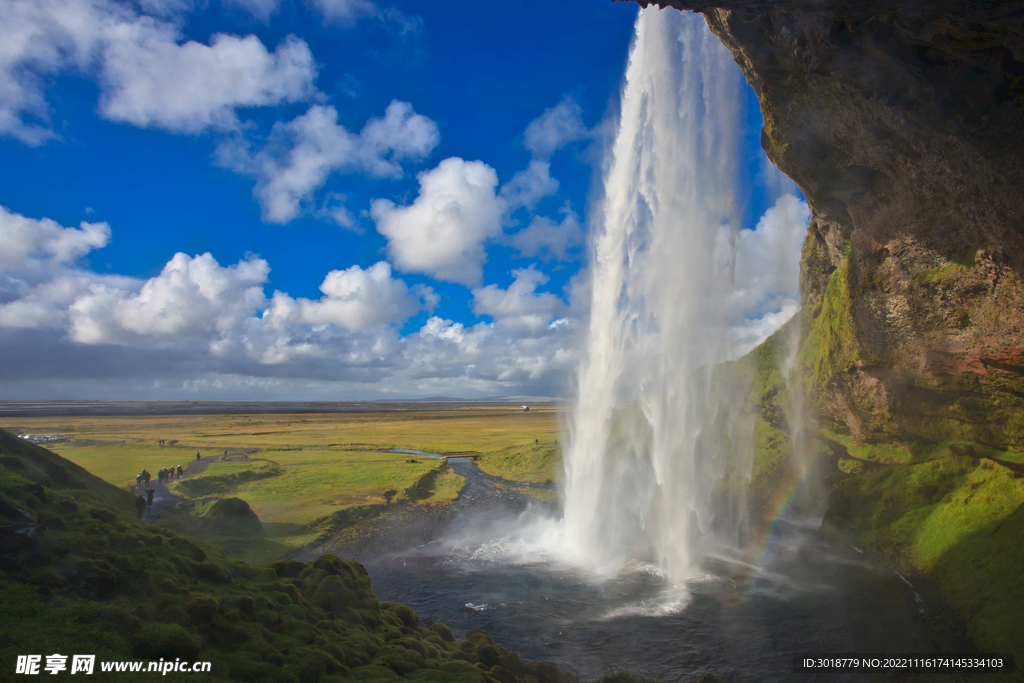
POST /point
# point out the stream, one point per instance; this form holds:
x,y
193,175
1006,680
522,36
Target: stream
x,y
486,567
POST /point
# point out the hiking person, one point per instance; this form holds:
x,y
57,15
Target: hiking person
x,y
181,472
140,506
146,476
138,480
198,456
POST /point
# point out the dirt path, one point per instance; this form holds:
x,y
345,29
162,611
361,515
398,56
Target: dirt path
x,y
163,498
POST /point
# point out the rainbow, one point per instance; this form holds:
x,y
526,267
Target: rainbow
x,y
760,549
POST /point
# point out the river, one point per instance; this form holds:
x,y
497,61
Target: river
x,y
485,567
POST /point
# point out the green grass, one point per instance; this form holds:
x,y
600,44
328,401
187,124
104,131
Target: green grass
x,y
485,430
308,475
532,463
957,520
302,486
118,464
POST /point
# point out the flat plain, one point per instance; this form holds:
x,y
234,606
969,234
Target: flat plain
x,y
305,474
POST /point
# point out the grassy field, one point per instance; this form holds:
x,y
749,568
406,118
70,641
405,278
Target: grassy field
x,y
116,448
532,463
306,474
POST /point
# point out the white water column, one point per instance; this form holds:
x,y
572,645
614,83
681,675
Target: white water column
x,y
638,466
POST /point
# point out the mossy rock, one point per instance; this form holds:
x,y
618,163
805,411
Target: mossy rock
x,y
188,549
165,641
408,617
398,659
443,631
211,571
201,608
232,517
243,668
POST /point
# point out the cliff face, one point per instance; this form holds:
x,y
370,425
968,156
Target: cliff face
x,y
903,125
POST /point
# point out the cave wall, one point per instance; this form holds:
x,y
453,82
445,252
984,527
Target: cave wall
x,y
902,123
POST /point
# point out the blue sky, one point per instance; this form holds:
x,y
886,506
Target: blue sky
x,y
309,199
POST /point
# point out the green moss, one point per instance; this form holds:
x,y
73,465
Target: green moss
x,y
941,274
957,520
828,350
224,478
894,453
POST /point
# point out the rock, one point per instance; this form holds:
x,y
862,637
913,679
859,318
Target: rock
x,y
232,517
902,123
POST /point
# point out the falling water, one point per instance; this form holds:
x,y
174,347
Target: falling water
x,y
646,452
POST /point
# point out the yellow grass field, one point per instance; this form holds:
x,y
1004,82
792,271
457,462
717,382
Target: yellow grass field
x,y
301,468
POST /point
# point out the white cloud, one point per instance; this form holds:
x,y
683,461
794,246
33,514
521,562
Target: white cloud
x,y
766,287
353,299
344,12
768,258
302,153
203,329
149,80
555,128
166,8
519,308
529,186
442,232
192,296
41,38
546,239
21,237
261,9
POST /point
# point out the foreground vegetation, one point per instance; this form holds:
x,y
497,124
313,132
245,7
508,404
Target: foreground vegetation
x,y
81,574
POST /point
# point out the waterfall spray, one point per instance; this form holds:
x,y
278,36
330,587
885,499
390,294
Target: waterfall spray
x,y
641,458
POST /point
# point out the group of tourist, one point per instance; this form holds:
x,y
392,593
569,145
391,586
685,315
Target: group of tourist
x,y
168,473
164,476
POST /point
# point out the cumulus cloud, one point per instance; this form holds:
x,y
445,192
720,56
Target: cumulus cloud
x,y
41,38
300,154
200,328
21,237
344,12
520,308
548,240
766,272
443,231
261,9
150,80
529,186
192,296
147,76
555,128
353,299
768,257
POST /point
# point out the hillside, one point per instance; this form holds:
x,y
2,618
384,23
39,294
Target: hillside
x,y
82,575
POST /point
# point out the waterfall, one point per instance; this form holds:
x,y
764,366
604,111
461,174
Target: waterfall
x,y
647,443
